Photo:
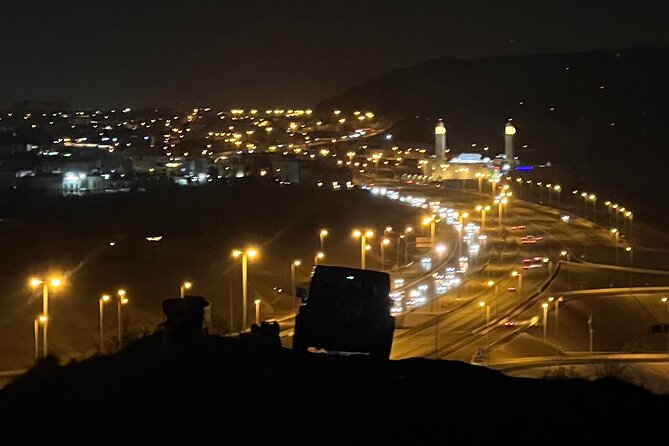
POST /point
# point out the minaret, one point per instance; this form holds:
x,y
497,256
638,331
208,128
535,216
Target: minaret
x,y
440,140
509,131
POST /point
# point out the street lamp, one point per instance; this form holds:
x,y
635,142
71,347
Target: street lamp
x,y
363,236
245,255
53,283
493,186
500,203
630,216
565,254
584,195
616,232
384,242
557,314
433,230
294,264
557,188
120,301
545,308
257,302
39,320
519,276
321,236
665,301
548,263
318,257
629,250
482,304
101,303
483,210
608,205
405,235
491,283
621,210
593,198
479,176
185,286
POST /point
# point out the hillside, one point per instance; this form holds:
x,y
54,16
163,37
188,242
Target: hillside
x,y
256,393
601,115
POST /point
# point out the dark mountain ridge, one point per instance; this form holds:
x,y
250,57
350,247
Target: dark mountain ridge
x,y
602,115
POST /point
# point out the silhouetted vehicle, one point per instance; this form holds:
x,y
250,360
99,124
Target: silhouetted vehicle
x,y
347,311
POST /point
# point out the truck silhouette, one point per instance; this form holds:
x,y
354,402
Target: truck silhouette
x,y
346,311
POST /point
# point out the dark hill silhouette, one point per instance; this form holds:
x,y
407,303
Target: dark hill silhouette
x,y
608,125
173,388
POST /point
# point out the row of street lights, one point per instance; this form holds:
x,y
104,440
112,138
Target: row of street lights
x,y
43,319
247,254
121,299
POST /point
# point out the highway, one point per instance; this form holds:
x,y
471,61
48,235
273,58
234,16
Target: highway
x,y
485,312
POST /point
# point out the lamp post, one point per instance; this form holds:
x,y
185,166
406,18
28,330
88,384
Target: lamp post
x,y
433,230
557,314
294,264
565,254
408,230
616,232
318,257
630,216
483,210
584,195
519,276
479,176
120,301
384,242
665,301
541,192
502,201
363,236
629,250
557,188
36,331
248,253
321,236
549,187
184,287
350,156
492,283
608,205
593,198
101,303
615,207
257,302
549,264
483,304
54,282
39,320
545,308
591,333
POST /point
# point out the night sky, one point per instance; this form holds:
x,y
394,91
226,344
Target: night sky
x,y
292,53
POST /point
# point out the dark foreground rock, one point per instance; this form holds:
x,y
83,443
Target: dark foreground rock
x,y
225,390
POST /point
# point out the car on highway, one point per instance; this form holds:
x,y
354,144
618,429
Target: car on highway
x,y
517,228
511,289
510,324
530,239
